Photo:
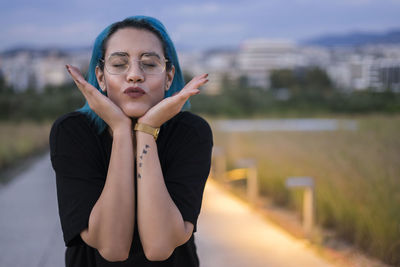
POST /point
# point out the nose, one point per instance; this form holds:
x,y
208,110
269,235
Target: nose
x,y
135,73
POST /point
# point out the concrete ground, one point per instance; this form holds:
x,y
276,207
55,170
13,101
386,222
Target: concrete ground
x,y
30,231
229,232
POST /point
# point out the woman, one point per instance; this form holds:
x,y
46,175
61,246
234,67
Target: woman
x,y
130,165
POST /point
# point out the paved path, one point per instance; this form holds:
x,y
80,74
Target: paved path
x,y
30,231
229,233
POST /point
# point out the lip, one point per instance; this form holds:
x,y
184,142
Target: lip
x,y
134,92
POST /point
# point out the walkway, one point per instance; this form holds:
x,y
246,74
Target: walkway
x,y
229,233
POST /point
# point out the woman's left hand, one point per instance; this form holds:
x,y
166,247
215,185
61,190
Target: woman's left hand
x,y
170,106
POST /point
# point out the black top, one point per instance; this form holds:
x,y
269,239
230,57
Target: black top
x,y
80,158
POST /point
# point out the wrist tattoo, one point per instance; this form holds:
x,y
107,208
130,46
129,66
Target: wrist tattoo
x,y
140,164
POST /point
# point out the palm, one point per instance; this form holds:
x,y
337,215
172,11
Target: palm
x,y
170,106
99,103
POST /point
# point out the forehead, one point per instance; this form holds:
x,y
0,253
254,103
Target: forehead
x,y
134,42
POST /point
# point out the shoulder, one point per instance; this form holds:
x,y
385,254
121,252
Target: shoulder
x,y
71,126
75,121
70,119
193,124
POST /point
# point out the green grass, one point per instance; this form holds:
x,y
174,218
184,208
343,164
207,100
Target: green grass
x,y
19,140
356,173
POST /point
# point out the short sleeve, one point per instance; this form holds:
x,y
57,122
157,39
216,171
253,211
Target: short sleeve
x,y
79,174
188,169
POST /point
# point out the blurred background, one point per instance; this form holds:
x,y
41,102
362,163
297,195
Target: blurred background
x,y
302,87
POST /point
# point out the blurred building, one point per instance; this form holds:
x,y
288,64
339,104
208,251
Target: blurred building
x,y
353,73
386,74
369,68
255,59
220,64
17,69
36,69
258,57
373,67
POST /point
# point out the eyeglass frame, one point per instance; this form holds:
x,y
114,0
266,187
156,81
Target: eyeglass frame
x,y
136,60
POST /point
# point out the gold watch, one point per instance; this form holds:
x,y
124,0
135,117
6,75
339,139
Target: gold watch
x,y
147,129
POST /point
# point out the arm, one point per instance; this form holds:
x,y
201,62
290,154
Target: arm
x,y
111,222
160,223
161,226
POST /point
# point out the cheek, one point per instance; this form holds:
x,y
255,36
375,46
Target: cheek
x,y
157,89
113,89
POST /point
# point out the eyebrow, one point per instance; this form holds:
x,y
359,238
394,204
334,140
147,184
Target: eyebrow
x,y
120,53
150,54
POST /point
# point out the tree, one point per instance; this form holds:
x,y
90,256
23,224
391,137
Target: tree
x,y
4,88
283,78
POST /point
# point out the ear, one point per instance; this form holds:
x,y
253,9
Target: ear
x,y
169,78
100,79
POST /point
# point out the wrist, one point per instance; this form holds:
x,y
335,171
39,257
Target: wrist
x,y
123,129
146,129
123,134
147,121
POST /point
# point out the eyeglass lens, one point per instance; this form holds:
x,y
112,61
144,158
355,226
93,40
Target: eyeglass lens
x,y
150,64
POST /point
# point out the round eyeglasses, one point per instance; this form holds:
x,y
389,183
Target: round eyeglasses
x,y
120,64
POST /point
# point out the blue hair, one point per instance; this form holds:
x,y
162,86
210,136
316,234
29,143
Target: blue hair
x,y
97,54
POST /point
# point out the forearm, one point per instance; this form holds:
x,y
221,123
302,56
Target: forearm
x,y
161,226
111,222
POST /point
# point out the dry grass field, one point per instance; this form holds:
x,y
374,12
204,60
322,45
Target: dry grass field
x,y
357,176
18,140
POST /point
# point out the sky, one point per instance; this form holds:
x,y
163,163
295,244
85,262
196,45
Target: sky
x,y
192,24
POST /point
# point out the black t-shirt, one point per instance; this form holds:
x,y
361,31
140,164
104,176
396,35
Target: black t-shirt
x,y
80,158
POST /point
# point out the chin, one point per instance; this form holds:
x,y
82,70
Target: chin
x,y
135,112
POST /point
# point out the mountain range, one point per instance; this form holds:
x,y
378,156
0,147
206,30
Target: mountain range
x,y
351,39
356,39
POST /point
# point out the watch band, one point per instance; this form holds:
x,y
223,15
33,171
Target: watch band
x,y
147,129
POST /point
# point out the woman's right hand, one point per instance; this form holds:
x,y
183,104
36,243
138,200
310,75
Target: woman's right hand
x,y
99,103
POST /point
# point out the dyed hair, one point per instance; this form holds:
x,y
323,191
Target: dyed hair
x,y
139,22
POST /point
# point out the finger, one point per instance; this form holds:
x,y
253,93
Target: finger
x,y
196,84
188,93
196,78
199,77
82,84
75,74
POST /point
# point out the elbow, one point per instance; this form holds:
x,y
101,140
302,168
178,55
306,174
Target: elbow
x,y
113,254
158,253
161,250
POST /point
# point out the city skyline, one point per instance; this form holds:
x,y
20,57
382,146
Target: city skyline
x,y
193,25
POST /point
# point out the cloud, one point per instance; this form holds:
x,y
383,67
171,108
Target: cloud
x,y
207,35
193,22
201,9
67,34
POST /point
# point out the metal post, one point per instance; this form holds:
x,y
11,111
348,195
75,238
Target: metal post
x,y
308,200
308,210
219,164
252,182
